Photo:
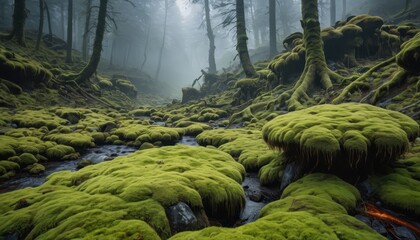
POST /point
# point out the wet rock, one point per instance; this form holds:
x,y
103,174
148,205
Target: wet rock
x,y
363,219
379,227
182,218
366,189
108,158
405,233
107,127
84,163
256,196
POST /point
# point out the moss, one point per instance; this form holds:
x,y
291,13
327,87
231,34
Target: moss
x,y
126,87
104,82
26,159
272,172
113,197
146,145
355,136
219,137
130,132
75,140
58,152
141,112
37,119
9,166
301,216
36,168
408,58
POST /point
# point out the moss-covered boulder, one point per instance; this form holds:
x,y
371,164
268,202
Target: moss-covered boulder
x,y
126,198
306,210
408,57
341,137
75,140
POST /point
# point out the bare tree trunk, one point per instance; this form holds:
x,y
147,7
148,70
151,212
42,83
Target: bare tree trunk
x,y
273,28
19,17
212,60
91,67
69,31
146,46
284,15
62,19
254,25
333,17
344,9
163,41
49,21
241,38
111,58
407,5
85,43
41,24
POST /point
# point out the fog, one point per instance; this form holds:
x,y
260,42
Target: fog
x,y
135,31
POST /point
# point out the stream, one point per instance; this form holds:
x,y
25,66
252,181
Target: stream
x,y
96,155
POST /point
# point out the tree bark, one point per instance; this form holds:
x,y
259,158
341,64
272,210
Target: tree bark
x,y
273,28
344,9
49,21
19,17
91,67
333,14
163,41
146,46
85,42
212,60
241,38
69,31
62,19
41,24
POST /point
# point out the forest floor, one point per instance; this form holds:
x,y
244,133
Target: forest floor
x,y
104,159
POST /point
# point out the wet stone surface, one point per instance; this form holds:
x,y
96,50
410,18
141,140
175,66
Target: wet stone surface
x,y
95,155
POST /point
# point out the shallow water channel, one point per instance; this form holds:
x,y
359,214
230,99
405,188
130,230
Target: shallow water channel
x,y
96,155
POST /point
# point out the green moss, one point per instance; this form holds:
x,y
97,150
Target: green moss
x,y
130,132
318,136
36,168
141,112
146,145
26,159
58,152
272,172
9,166
76,140
128,192
305,215
37,119
408,58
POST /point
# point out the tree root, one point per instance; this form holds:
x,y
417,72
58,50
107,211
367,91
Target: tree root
x,y
356,83
397,79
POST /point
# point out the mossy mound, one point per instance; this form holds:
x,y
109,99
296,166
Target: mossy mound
x,y
408,58
219,137
75,140
147,133
34,118
300,215
61,152
338,137
22,71
399,188
126,196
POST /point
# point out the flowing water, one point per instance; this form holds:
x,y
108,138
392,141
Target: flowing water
x,y
96,155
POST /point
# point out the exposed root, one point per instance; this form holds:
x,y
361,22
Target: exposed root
x,y
360,80
397,79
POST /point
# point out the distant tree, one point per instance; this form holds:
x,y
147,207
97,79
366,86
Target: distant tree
x,y
343,15
49,20
212,60
146,45
242,38
91,67
41,24
69,31
162,47
19,17
273,28
85,42
333,14
407,5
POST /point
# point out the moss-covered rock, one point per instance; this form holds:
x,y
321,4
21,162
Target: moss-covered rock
x,y
36,168
128,193
36,119
300,215
59,152
341,137
26,159
147,133
75,140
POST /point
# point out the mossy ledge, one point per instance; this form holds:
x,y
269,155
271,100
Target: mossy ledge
x,y
338,137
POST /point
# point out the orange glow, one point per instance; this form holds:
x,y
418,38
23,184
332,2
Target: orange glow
x,y
377,213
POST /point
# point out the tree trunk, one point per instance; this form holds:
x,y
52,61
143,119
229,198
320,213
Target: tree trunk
x,y
163,41
316,69
212,61
19,17
344,9
69,31
62,19
333,17
87,72
407,5
146,46
273,28
49,21
85,43
111,58
284,15
254,25
41,24
241,38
